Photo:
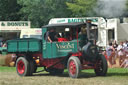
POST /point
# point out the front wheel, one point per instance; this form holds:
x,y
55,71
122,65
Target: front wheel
x,y
101,66
74,67
22,66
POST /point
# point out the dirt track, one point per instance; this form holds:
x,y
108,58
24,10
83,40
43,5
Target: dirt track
x,y
11,78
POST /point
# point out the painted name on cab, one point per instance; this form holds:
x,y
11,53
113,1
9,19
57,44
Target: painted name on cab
x,y
65,46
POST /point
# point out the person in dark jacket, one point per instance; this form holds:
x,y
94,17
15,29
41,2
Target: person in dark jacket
x,y
52,35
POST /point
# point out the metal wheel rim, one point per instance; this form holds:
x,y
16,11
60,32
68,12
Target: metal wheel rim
x,y
72,67
99,66
21,67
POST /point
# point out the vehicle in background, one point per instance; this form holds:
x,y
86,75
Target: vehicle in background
x,y
31,33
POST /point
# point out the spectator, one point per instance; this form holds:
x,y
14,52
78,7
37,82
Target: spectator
x,y
126,49
121,53
1,43
115,45
1,39
110,53
4,45
125,43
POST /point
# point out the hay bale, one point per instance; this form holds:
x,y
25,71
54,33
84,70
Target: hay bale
x,y
2,60
117,62
10,58
12,64
116,65
7,60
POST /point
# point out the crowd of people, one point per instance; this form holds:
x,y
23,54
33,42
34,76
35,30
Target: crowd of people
x,y
117,54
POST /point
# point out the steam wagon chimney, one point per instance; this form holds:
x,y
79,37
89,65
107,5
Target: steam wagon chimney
x,y
88,25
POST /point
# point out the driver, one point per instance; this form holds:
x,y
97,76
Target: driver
x,y
83,36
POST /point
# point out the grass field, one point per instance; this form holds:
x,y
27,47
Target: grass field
x,y
115,76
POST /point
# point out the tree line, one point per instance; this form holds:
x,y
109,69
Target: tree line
x,y
39,12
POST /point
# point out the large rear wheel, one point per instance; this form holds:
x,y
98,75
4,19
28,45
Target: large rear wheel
x,y
74,67
101,66
33,67
22,66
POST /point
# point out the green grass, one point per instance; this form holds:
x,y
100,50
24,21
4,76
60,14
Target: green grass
x,y
12,69
115,76
90,72
7,69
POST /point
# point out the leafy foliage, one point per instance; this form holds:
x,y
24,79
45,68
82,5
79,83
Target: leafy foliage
x,y
82,8
9,10
126,11
41,11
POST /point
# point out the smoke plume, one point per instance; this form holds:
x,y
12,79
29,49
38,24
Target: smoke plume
x,y
110,8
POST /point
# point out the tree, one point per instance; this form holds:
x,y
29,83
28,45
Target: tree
x,y
39,12
9,10
81,8
126,10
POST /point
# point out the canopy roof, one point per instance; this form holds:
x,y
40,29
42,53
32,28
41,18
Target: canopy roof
x,y
76,24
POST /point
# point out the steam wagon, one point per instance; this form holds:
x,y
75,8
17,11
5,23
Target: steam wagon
x,y
75,49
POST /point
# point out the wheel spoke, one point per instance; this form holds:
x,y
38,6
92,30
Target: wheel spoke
x,y
72,67
21,67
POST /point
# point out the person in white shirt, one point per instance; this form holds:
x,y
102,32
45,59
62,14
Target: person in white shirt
x,y
125,43
121,52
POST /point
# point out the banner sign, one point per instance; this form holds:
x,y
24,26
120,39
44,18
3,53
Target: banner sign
x,y
14,25
71,20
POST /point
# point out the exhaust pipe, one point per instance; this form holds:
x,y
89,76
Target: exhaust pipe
x,y
88,25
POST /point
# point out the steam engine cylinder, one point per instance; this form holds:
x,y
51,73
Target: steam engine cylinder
x,y
90,52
